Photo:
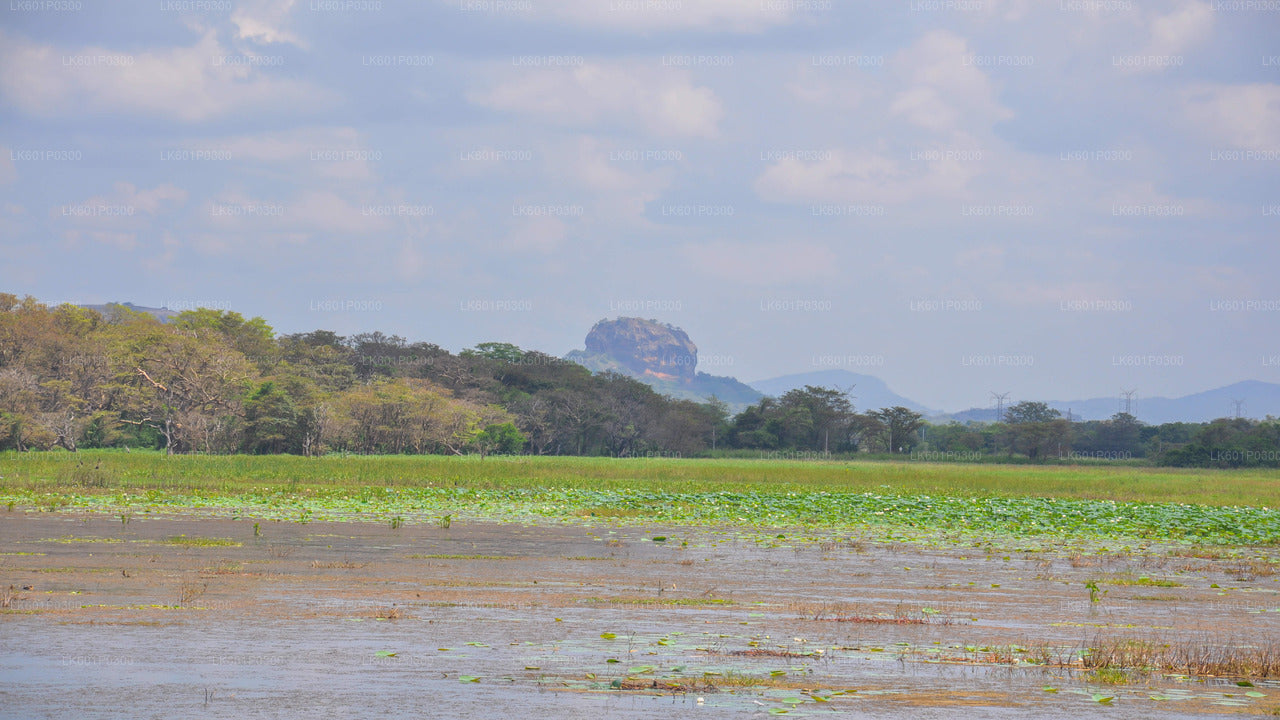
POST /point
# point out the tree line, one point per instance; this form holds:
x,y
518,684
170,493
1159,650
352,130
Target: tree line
x,y
212,381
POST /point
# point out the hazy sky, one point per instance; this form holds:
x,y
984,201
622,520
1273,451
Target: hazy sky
x,y
1055,199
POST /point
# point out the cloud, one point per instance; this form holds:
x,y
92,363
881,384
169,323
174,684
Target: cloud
x,y
659,101
1174,32
542,235
621,190
190,84
944,88
866,176
334,153
761,263
643,16
294,220
1244,116
264,21
161,198
847,91
116,218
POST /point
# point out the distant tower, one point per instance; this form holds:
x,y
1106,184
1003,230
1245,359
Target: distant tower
x,y
1239,403
999,398
1128,401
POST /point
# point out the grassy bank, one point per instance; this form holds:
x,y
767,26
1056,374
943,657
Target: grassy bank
x,y
1054,501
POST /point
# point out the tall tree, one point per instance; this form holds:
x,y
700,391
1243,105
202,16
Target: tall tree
x,y
899,427
1037,430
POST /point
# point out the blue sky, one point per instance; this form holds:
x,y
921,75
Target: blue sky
x,y
1051,199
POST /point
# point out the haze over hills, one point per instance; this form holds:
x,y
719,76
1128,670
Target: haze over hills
x,y
162,314
1259,400
869,392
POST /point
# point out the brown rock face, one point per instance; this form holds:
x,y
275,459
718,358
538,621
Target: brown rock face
x,y
646,348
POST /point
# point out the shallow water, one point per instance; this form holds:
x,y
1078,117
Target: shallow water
x,y
286,624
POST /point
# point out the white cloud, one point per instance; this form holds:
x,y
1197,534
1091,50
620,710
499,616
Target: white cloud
x,y
855,177
1176,31
118,217
335,153
847,91
936,84
298,218
264,21
194,83
621,190
762,263
659,101
537,235
153,202
1244,116
642,16
945,89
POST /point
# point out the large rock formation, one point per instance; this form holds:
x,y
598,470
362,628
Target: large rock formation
x,y
646,348
661,356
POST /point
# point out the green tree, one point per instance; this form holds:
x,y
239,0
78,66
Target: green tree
x,y
500,439
504,352
1036,429
899,427
187,388
271,421
253,338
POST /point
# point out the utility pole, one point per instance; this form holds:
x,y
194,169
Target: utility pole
x,y
999,398
1128,400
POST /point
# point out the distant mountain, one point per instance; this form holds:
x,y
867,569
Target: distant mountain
x,y
970,415
1260,399
661,356
869,392
164,315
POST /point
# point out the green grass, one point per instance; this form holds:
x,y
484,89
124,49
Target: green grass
x,y
236,473
1093,501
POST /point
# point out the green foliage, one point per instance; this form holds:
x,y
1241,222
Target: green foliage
x,y
897,427
271,421
214,382
959,502
501,439
1095,595
1229,443
502,352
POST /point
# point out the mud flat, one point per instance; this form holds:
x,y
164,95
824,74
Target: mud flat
x,y
193,616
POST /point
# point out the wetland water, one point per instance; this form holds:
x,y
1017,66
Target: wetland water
x,y
189,616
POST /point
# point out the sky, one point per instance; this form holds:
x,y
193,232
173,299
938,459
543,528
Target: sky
x,y
1056,199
